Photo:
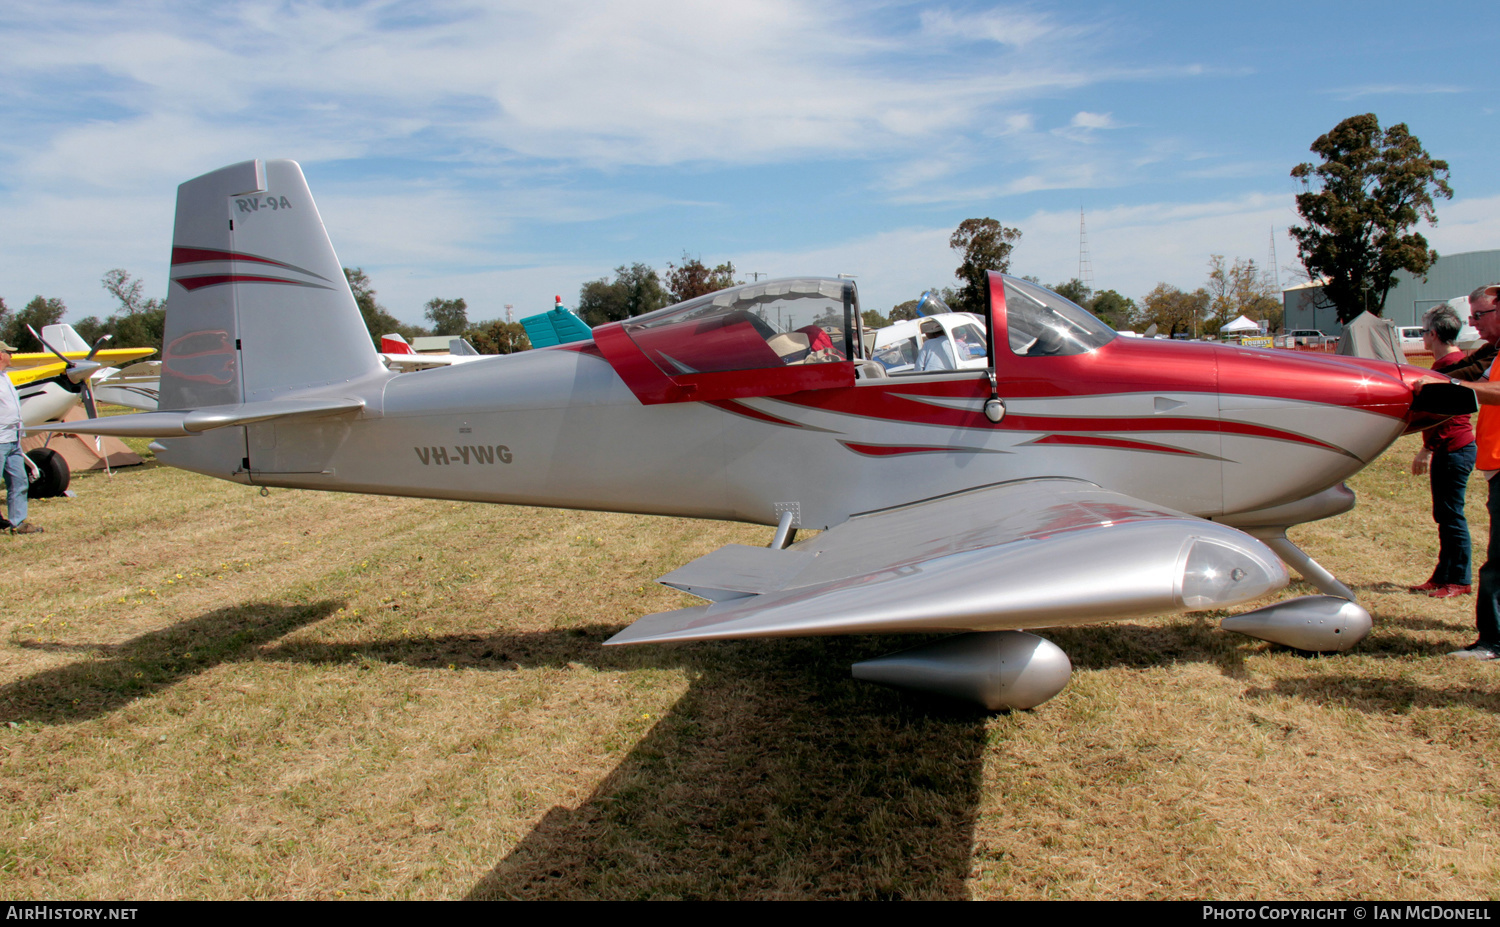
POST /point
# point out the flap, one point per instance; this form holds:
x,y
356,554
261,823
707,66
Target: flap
x,y
736,570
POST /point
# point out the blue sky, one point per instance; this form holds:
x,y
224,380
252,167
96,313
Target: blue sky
x,y
505,152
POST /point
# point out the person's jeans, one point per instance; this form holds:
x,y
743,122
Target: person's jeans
x,y
1487,602
1450,477
17,481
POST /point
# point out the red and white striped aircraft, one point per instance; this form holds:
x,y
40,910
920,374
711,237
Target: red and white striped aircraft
x,y
1080,477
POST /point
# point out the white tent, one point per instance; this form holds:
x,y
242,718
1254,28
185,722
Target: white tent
x,y
1240,326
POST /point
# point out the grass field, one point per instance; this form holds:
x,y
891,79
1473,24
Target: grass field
x,y
208,693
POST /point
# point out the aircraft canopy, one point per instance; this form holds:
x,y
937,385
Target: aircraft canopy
x,y
771,324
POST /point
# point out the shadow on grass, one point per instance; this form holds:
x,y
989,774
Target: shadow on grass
x,y
776,775
149,663
1378,696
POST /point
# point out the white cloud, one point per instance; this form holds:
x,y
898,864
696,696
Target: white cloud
x,y
1367,90
1011,26
1083,120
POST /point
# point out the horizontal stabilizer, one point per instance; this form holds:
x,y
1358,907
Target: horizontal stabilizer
x,y
196,421
1032,554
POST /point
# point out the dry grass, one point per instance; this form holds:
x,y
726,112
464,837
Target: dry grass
x,y
212,694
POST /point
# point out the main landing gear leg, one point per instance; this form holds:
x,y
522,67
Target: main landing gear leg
x,y
1313,623
1294,557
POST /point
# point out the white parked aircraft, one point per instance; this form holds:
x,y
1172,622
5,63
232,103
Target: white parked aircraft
x,y
1077,477
398,355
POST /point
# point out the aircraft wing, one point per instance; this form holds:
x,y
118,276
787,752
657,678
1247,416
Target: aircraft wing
x,y
104,357
1025,554
406,363
20,376
137,386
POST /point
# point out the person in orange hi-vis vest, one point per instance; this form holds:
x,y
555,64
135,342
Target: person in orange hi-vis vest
x,y
1478,373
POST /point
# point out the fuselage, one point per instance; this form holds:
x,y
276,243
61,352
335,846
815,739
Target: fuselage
x,y
1210,430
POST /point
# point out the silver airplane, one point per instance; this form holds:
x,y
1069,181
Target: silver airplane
x,y
1082,477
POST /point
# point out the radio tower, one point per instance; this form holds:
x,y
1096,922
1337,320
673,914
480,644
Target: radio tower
x,y
1085,266
1273,273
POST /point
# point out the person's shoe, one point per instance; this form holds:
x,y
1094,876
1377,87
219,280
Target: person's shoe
x,y
1478,650
1450,590
26,527
1428,586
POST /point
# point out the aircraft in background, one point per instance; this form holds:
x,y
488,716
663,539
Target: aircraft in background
x,y
558,326
399,356
1077,477
52,382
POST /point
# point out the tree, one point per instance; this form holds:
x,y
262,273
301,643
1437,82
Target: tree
x,y
903,311
1359,204
448,316
138,322
873,319
1239,289
985,245
377,320
1171,310
1074,290
1114,310
39,313
694,278
636,290
499,337
128,292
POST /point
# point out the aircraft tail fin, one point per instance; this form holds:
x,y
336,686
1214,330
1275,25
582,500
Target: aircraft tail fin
x,y
560,326
394,344
258,306
64,338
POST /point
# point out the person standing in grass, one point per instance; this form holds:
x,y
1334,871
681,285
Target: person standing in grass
x,y
1447,456
1478,373
12,460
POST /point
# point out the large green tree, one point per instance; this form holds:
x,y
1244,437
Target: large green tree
x,y
636,290
985,245
1359,204
694,278
448,316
